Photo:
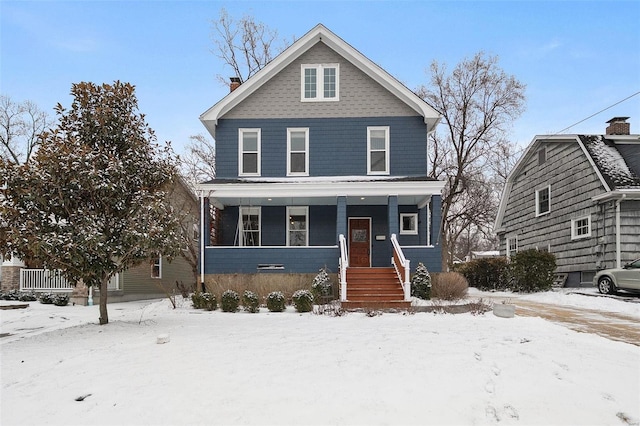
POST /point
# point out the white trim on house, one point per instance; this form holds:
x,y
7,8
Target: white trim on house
x,y
242,151
319,88
539,212
413,220
372,149
316,35
290,151
298,211
577,227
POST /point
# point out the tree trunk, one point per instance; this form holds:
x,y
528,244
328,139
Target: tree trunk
x,y
104,316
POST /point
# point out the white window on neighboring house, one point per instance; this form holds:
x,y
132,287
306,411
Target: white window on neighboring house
x,y
543,201
297,226
409,223
298,152
378,150
320,82
156,267
250,222
512,245
249,152
581,227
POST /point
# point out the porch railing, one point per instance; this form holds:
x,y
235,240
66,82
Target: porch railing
x,y
52,280
402,267
344,264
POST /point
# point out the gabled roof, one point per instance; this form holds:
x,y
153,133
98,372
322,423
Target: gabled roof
x,y
319,34
614,158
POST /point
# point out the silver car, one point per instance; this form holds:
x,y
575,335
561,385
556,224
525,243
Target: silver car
x,y
627,278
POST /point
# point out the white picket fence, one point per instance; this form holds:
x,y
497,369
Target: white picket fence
x,y
50,280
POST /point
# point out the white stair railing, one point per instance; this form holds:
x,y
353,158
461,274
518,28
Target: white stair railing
x,y
344,264
402,267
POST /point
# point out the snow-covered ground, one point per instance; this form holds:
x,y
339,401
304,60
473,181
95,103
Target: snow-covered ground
x,y
297,369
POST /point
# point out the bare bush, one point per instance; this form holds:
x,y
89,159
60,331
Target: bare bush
x,y
449,286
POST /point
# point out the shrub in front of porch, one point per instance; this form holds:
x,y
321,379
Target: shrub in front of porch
x,y
250,301
61,299
321,285
421,283
303,300
206,301
230,301
46,298
449,286
276,301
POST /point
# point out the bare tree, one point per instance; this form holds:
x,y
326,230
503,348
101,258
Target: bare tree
x,y
20,127
245,45
478,102
199,163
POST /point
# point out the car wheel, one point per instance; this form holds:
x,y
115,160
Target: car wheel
x,y
605,286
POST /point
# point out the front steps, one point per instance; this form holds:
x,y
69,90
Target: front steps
x,y
374,288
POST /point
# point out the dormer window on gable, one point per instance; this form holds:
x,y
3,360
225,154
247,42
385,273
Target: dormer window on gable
x,y
320,82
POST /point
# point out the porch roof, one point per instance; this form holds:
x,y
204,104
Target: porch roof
x,y
414,190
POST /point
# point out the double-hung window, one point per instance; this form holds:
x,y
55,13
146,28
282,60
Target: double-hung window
x,y
543,201
249,152
320,82
156,267
581,227
297,152
378,150
297,226
512,245
250,222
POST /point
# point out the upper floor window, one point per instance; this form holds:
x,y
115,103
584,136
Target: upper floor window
x,y
249,152
378,150
250,219
156,267
297,226
542,155
409,223
581,227
543,201
297,152
320,82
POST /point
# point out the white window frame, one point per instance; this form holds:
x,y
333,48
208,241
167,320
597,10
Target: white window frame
x,y
538,191
241,151
306,151
298,211
574,228
245,210
319,82
370,129
157,262
413,231
510,251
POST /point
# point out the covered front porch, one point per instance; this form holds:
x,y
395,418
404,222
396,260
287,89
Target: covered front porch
x,y
295,226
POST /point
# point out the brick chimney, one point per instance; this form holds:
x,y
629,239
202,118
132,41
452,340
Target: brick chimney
x,y
618,126
235,83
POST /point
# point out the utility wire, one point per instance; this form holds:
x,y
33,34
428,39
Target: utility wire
x,y
593,115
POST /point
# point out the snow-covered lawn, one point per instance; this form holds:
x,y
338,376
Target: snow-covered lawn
x,y
297,369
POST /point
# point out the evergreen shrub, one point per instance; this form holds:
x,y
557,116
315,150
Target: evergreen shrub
x,y
421,283
303,300
206,301
532,270
230,301
46,298
275,301
321,285
487,274
61,299
250,301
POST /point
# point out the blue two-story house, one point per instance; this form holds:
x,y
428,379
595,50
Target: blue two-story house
x,y
321,162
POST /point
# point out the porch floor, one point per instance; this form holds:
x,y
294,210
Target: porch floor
x,y
374,288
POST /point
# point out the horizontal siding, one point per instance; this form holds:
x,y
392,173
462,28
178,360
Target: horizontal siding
x,y
360,95
229,260
337,146
137,280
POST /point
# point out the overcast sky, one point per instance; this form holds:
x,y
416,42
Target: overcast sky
x,y
576,57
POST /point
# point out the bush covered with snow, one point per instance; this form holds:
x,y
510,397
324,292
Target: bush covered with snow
x,y
321,285
449,286
230,301
276,301
21,296
303,300
61,299
532,270
46,298
487,274
250,301
206,301
421,283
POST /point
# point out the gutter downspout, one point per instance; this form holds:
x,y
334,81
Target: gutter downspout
x,y
618,242
202,239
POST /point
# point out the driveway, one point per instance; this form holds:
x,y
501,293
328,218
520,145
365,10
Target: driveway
x,y
611,325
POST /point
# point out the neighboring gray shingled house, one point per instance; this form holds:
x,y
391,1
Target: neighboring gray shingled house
x,y
577,196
